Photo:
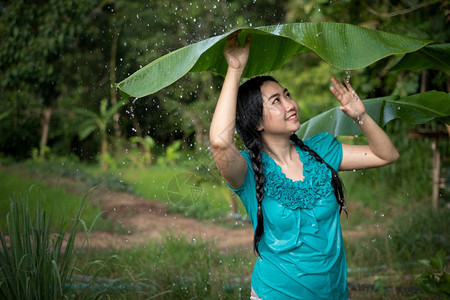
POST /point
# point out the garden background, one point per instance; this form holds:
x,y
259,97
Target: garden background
x,y
157,220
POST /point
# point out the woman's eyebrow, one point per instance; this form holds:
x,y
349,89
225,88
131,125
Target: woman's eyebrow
x,y
285,90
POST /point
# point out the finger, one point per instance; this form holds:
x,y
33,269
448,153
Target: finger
x,y
348,85
338,85
351,90
336,94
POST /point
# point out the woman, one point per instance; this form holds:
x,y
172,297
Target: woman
x,y
290,187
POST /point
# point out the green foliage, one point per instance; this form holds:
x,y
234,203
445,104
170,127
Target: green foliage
x,y
343,46
51,61
37,39
414,109
171,155
40,63
435,281
147,144
422,19
36,263
99,121
435,57
380,287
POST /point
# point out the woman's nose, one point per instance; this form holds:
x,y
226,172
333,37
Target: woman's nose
x,y
289,104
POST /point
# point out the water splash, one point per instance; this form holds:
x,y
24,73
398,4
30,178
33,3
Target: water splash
x,y
347,76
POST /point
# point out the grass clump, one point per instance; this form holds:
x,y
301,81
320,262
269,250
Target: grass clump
x,y
35,262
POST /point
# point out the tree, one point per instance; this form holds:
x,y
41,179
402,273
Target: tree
x,y
40,52
98,122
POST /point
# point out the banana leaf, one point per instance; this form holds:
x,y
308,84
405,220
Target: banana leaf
x,y
343,46
435,57
414,109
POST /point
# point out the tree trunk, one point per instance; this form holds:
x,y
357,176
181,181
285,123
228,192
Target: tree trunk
x,y
47,114
112,67
104,151
436,172
137,127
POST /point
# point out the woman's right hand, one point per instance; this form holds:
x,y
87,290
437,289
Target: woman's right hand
x,y
235,54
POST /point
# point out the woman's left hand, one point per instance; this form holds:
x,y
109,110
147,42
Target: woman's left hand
x,y
352,105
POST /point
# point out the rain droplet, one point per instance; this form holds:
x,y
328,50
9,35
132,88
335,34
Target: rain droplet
x,y
347,76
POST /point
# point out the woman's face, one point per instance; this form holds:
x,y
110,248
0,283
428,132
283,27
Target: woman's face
x,y
280,111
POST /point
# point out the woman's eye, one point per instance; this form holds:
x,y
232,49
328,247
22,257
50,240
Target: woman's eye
x,y
276,100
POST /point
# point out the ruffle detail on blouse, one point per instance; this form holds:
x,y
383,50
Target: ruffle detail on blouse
x,y
315,185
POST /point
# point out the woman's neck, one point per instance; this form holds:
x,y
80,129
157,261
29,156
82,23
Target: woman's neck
x,y
280,150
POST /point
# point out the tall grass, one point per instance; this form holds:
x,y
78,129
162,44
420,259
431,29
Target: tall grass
x,y
39,263
391,257
35,262
177,268
420,234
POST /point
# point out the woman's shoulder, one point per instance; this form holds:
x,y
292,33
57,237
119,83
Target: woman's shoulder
x,y
320,140
327,146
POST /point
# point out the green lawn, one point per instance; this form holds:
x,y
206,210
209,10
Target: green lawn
x,y
16,187
183,190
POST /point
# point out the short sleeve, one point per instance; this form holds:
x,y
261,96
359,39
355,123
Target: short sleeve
x,y
247,191
328,147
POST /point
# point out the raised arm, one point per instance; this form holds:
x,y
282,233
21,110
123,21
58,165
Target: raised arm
x,y
229,160
380,150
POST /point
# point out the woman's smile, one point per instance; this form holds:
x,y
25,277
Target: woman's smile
x,y
280,111
293,117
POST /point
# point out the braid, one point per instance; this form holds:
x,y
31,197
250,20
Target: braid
x,y
249,115
335,180
256,158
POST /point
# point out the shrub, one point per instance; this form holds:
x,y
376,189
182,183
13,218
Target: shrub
x,y
435,281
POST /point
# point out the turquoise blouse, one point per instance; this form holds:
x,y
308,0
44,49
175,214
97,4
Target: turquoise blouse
x,y
301,251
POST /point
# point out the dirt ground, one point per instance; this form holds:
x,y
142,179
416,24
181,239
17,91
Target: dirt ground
x,y
141,220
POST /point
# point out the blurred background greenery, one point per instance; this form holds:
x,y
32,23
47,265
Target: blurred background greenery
x,y
61,119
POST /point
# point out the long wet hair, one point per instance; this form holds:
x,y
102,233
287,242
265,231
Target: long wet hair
x,y
249,115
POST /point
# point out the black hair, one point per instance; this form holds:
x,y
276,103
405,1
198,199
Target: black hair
x,y
249,115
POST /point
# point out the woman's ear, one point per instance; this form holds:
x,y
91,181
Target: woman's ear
x,y
260,127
